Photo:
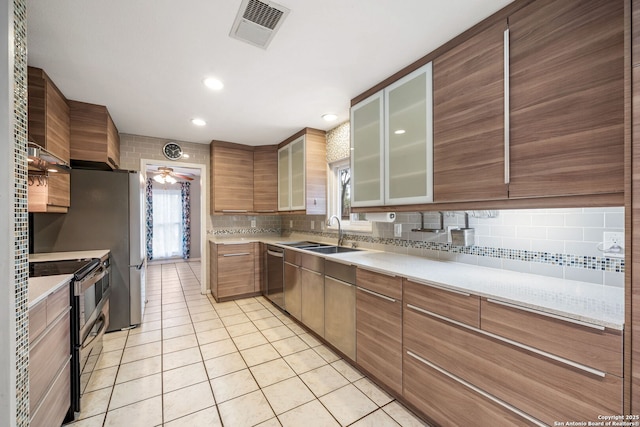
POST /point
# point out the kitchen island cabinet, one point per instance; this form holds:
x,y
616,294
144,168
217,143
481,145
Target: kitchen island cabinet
x,y
233,270
95,141
49,358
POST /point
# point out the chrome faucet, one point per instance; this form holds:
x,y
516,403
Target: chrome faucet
x,y
340,236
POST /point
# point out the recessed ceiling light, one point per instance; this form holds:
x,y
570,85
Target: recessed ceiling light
x,y
329,117
198,122
213,83
399,131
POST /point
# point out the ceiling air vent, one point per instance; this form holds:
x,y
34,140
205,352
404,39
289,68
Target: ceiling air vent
x,y
257,22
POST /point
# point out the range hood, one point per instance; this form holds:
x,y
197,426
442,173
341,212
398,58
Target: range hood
x,y
42,161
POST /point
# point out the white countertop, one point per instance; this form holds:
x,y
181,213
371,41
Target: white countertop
x,y
41,287
60,256
587,302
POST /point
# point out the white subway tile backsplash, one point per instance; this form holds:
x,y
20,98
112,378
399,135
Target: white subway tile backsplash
x,y
614,279
565,233
531,232
516,265
584,275
490,262
517,244
614,220
547,270
503,231
582,248
547,220
585,219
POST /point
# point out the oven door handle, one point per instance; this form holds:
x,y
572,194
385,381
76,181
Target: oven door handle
x,y
93,335
84,284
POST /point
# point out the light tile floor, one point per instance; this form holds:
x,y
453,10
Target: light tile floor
x,y
194,362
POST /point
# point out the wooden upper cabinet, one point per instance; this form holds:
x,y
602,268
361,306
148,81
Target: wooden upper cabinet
x,y
48,114
265,179
232,178
468,108
49,128
566,98
94,137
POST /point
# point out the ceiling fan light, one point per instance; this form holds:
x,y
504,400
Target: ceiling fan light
x,y
170,180
159,178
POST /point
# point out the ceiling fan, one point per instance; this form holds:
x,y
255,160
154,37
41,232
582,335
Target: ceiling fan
x,y
166,175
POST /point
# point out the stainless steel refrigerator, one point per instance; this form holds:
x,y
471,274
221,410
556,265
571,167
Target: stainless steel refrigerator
x,y
107,212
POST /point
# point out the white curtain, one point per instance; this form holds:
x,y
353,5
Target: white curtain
x,y
167,222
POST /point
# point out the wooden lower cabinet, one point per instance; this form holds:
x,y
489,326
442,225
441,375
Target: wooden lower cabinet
x,y
450,403
49,355
379,328
546,389
232,270
459,306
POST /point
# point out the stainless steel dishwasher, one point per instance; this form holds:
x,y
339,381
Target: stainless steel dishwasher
x,y
275,275
340,306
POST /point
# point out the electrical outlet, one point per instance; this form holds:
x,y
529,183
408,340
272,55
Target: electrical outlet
x,y
397,230
613,243
253,223
290,223
313,225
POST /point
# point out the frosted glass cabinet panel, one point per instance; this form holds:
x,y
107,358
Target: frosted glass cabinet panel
x,y
297,174
409,138
367,152
392,143
291,176
283,178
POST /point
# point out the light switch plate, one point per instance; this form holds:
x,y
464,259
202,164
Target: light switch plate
x,y
313,225
253,223
397,230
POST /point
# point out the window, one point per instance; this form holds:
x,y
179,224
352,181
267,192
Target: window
x,y
167,222
340,198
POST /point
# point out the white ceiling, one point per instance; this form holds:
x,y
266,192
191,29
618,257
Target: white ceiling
x,y
146,59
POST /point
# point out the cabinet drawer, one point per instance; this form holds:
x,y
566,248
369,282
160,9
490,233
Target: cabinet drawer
x,y
235,274
545,388
57,303
37,320
46,357
56,403
235,249
599,348
312,262
450,403
390,286
379,337
455,305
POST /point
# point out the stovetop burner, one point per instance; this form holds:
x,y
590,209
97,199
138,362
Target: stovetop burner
x,y
78,267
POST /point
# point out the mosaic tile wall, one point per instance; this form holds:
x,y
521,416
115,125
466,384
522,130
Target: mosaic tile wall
x,y
21,214
338,144
229,225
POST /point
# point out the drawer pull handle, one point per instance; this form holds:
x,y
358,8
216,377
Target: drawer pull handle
x,y
553,316
511,342
442,288
507,160
374,270
375,294
311,271
234,210
476,389
238,254
342,282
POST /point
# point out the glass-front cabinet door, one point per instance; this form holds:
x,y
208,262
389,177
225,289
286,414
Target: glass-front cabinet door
x,y
409,139
297,176
283,179
367,150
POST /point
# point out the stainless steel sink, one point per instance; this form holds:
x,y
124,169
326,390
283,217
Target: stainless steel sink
x,y
303,245
331,249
